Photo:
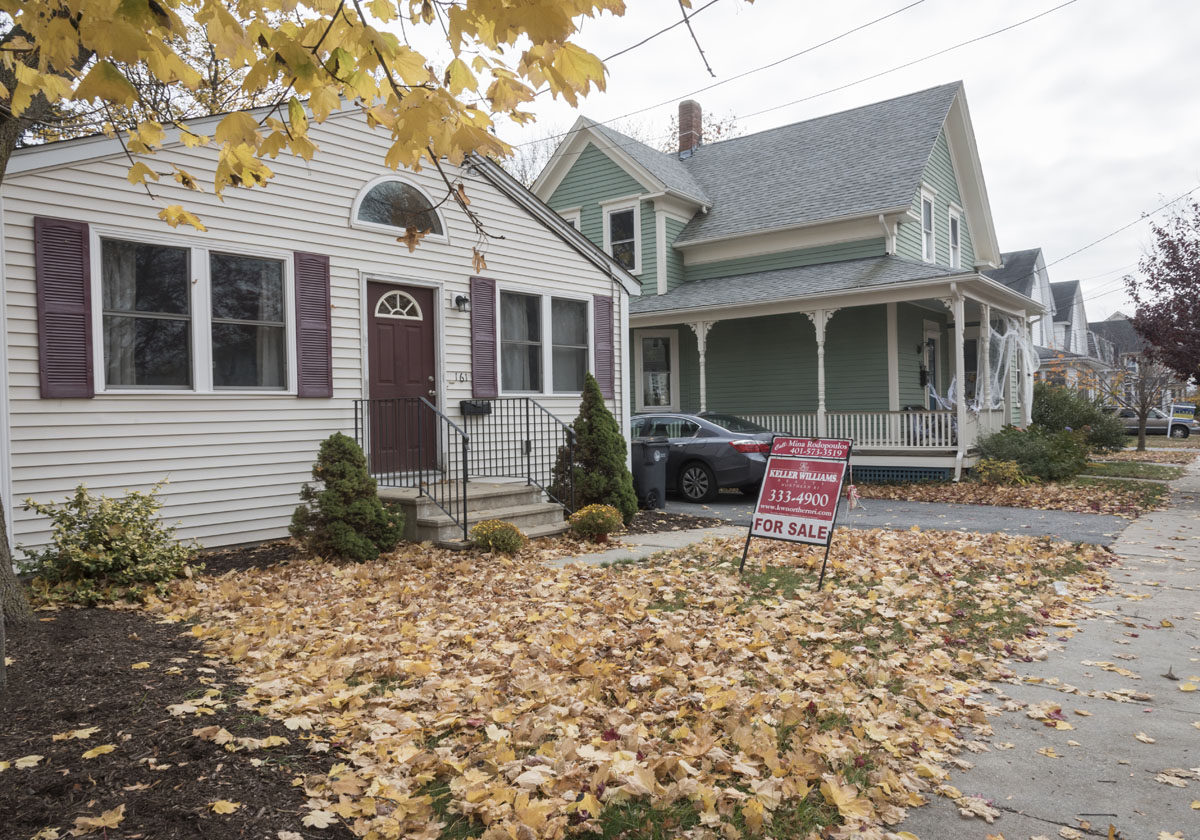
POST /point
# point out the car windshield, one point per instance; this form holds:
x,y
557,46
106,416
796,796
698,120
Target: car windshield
x,y
734,424
1156,414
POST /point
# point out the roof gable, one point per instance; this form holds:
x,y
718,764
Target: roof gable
x,y
1065,295
1018,271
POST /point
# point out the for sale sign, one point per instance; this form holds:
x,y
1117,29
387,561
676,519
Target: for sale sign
x,y
800,491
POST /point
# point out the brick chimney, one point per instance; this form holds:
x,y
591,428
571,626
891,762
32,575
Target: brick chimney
x,y
691,126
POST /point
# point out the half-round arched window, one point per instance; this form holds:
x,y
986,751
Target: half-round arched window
x,y
397,204
398,305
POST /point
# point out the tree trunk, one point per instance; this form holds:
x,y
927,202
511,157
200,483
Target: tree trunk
x,y
1141,447
14,605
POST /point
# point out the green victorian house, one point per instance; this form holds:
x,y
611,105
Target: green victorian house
x,y
821,278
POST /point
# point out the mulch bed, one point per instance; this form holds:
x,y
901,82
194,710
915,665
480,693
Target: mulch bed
x,y
658,521
72,670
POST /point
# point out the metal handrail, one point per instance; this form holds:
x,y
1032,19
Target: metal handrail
x,y
518,437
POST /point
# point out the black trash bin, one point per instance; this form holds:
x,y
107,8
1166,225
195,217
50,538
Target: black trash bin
x,y
649,460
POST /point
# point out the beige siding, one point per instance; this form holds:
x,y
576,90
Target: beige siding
x,y
236,463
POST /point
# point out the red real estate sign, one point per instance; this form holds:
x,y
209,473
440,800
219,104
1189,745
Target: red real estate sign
x,y
799,500
832,448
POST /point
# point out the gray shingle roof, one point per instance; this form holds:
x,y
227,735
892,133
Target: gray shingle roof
x,y
1016,270
1064,299
1121,333
788,283
665,167
855,162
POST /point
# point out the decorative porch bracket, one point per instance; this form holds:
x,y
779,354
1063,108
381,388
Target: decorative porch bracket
x,y
701,328
820,319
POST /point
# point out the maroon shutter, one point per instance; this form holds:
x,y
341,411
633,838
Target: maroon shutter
x,y
314,340
63,269
483,338
602,311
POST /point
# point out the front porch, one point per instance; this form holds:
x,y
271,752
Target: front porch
x,y
881,367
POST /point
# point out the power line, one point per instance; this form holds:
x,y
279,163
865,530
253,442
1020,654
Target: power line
x,y
741,75
662,31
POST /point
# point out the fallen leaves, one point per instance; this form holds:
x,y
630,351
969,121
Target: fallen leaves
x,y
224,806
103,749
79,734
537,700
1117,499
1144,738
106,820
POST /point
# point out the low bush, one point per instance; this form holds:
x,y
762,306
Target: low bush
x,y
1008,473
595,522
497,535
344,518
1038,451
1057,408
107,549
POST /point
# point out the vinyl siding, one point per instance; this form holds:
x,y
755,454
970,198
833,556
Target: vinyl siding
x,y
788,259
939,174
236,462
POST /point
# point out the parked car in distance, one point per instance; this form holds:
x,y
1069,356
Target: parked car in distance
x,y
708,451
1157,423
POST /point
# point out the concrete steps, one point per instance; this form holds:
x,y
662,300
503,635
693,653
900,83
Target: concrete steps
x,y
523,505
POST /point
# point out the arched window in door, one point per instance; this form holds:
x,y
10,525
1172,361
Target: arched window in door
x,y
398,305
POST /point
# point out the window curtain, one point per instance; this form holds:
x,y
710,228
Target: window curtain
x,y
120,333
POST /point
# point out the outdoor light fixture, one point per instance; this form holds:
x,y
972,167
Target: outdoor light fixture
x,y
462,303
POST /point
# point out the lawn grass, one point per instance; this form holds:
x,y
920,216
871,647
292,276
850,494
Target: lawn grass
x,y
1133,469
1149,495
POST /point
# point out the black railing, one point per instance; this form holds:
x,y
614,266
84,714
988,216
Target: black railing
x,y
409,442
518,437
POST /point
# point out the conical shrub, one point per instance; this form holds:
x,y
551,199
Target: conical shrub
x,y
345,519
600,466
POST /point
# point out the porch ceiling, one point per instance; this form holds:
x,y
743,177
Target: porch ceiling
x,y
848,283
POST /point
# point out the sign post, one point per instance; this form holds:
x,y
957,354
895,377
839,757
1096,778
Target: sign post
x,y
798,500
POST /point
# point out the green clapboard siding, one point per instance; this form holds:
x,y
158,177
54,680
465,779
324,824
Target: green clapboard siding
x,y
593,178
910,333
856,360
788,259
649,272
761,365
676,273
939,174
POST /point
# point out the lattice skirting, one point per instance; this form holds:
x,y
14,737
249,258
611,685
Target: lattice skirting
x,y
882,475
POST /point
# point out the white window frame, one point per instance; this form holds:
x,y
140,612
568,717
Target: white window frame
x,y
639,373
547,389
574,216
200,307
443,237
619,206
929,244
954,218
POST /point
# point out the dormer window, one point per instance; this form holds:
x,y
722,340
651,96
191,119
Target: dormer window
x,y
392,204
622,234
955,240
927,240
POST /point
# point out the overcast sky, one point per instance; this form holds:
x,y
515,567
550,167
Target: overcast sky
x,y
1085,118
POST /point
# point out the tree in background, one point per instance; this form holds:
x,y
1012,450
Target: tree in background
x,y
1141,386
1167,295
600,467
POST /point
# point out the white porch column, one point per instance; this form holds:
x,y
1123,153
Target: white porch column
x,y
893,359
1026,379
960,402
819,319
701,328
983,378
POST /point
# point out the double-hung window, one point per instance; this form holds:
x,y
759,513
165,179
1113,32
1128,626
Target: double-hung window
x,y
621,231
528,349
927,240
185,318
955,240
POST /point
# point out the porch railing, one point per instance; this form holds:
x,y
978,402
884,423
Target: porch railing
x,y
518,437
409,442
797,424
886,429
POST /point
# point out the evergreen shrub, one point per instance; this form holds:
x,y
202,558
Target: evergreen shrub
x,y
345,518
107,549
1038,451
497,535
600,467
1057,408
1008,473
595,522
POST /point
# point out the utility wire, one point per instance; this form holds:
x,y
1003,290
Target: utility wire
x,y
662,31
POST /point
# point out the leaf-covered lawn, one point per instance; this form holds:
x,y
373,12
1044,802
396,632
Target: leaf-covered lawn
x,y
1176,456
1133,469
471,695
1081,495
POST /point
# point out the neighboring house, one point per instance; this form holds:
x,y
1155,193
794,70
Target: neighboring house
x,y
1127,348
1025,272
813,277
221,359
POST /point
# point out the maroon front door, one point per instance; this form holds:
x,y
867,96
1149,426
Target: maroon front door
x,y
402,432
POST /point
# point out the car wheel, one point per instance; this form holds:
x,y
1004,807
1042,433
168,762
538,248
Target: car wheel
x,y
697,482
1179,432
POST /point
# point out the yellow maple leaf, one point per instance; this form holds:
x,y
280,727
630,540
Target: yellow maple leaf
x,y
103,749
319,819
106,820
224,806
140,666
1187,686
846,799
80,734
27,761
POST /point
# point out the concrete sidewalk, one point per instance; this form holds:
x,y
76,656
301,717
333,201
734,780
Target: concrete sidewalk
x,y
1106,775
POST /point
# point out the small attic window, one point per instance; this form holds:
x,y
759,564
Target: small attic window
x,y
396,205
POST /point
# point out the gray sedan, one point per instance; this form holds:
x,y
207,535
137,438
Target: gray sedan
x,y
1157,423
708,452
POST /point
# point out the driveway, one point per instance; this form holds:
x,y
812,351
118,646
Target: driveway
x,y
1100,529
